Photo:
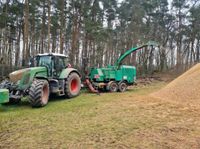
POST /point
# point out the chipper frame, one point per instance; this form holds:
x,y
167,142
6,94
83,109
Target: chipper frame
x,y
117,77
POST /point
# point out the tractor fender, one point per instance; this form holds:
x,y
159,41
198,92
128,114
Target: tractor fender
x,y
40,77
65,73
41,74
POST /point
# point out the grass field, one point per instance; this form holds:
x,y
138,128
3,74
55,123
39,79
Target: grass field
x,y
112,120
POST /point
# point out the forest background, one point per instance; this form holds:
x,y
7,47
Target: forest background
x,y
94,33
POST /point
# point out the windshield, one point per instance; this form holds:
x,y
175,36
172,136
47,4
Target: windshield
x,y
60,62
54,64
40,61
43,61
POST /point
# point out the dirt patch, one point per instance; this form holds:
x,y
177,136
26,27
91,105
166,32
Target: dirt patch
x,y
185,88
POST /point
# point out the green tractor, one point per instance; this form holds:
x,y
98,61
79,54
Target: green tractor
x,y
114,78
48,74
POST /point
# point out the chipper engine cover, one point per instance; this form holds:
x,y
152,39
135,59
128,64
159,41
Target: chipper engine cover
x,y
4,96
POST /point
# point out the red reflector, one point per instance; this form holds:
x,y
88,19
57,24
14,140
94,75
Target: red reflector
x,y
96,76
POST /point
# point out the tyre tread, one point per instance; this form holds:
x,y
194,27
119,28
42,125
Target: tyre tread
x,y
35,93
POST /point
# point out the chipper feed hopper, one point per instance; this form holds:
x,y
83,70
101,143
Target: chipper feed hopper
x,y
117,77
47,75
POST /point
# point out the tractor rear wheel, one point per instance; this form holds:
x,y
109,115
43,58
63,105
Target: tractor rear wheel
x,y
112,86
122,86
72,85
39,93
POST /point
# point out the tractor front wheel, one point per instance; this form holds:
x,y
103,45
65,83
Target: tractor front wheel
x,y
39,93
72,85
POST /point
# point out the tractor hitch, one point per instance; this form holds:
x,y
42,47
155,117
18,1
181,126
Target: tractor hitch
x,y
91,88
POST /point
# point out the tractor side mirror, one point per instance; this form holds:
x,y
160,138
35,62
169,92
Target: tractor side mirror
x,y
69,66
31,62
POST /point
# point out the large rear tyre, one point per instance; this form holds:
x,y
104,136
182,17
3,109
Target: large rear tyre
x,y
39,93
72,85
122,87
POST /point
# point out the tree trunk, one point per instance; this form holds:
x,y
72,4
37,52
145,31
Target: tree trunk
x,y
74,53
54,41
42,50
198,51
17,52
49,24
26,32
62,26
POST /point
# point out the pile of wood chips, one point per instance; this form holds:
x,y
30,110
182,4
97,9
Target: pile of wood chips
x,y
185,88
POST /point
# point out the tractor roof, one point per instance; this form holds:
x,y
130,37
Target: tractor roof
x,y
52,54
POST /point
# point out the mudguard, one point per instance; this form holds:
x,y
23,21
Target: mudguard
x,y
65,73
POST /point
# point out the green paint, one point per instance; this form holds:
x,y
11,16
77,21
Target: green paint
x,y
4,96
118,72
30,74
123,56
65,72
127,73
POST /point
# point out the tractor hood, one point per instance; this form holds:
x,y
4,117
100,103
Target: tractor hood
x,y
18,75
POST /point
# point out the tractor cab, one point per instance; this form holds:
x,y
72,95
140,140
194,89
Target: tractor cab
x,y
54,63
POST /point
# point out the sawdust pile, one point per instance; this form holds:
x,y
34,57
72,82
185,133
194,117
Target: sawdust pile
x,y
185,88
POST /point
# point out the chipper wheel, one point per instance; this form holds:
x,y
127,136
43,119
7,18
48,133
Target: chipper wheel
x,y
72,85
122,86
39,93
112,86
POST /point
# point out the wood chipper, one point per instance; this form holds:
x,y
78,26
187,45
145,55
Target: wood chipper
x,y
114,78
48,74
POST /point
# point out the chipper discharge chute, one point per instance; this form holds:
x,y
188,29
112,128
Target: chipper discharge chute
x,y
48,74
117,77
